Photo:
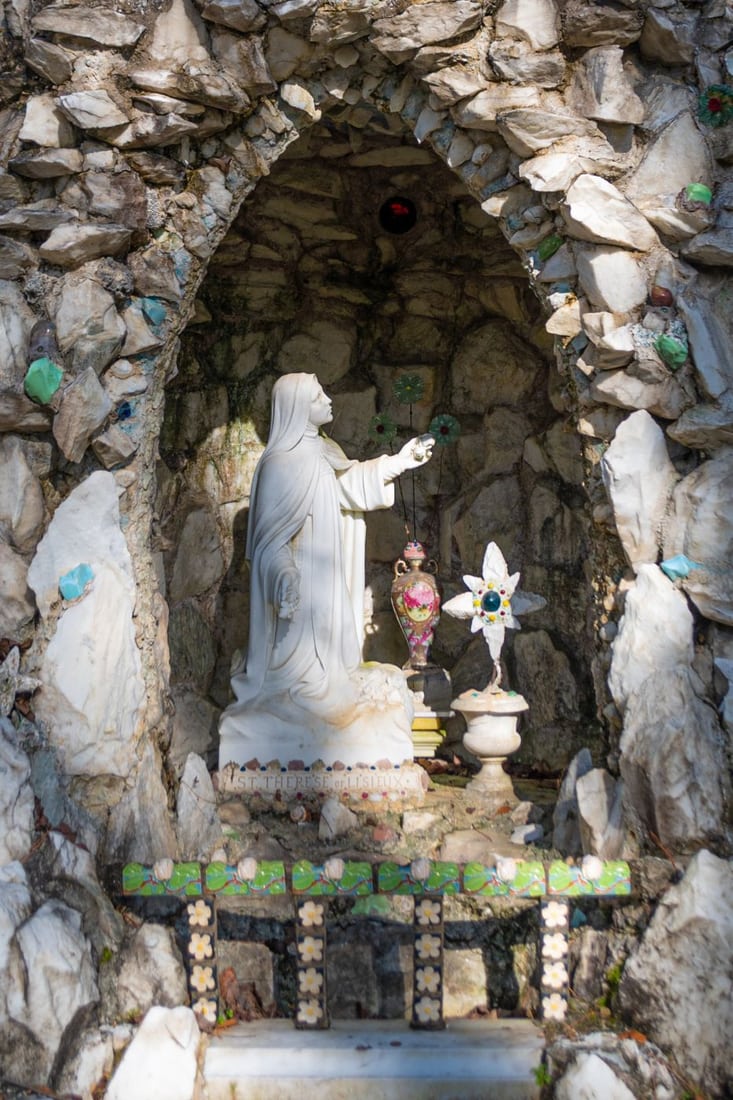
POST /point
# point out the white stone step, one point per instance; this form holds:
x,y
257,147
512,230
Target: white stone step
x,y
375,1060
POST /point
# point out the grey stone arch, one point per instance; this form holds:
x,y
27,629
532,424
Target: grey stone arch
x,y
549,138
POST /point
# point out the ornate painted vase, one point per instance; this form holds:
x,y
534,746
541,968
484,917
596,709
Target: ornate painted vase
x,y
416,602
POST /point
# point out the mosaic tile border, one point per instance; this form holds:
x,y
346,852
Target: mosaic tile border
x,y
553,886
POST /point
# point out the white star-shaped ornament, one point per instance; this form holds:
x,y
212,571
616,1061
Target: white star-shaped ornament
x,y
493,601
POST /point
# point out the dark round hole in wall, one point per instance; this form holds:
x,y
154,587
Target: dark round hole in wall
x,y
397,214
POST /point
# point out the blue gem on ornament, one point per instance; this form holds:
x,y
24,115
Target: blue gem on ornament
x,y
490,601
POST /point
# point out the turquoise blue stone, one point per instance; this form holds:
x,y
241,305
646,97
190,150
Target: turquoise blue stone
x,y
153,309
73,583
491,601
677,567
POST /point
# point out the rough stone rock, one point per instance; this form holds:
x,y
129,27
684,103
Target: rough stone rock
x,y
602,89
66,870
655,634
714,248
147,971
199,562
705,427
683,967
491,515
17,608
16,799
323,346
44,124
16,258
555,531
113,447
285,52
92,110
594,210
453,83
550,687
22,509
676,156
704,309
591,1078
699,525
565,825
46,164
464,987
480,112
102,26
36,217
49,60
673,763
639,478
88,327
161,1061
661,395
669,36
397,36
588,973
72,245
16,323
494,342
336,820
516,62
610,278
194,728
537,21
140,828
198,81
529,129
90,1065
600,813
601,25
52,979
198,825
240,15
83,409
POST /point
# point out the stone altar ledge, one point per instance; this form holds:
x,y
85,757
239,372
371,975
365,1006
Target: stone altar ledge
x,y
385,785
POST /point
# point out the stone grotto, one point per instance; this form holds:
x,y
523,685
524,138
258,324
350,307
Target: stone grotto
x,y
508,223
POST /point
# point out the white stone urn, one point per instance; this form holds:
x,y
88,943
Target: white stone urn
x,y
491,735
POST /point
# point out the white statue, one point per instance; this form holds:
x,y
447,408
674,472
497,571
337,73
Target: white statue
x,y
302,693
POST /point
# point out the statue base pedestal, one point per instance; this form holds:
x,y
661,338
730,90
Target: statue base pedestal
x,y
372,787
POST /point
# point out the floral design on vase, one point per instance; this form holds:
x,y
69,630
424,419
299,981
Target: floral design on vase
x,y
416,602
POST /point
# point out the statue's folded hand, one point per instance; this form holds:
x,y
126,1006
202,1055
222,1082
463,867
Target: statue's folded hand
x,y
288,594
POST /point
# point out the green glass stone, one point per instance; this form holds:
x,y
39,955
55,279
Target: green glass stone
x,y
672,351
42,380
698,192
549,247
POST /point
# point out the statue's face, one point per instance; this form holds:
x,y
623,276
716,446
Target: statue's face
x,y
320,409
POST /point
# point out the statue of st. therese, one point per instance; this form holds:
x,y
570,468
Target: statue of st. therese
x,y
303,693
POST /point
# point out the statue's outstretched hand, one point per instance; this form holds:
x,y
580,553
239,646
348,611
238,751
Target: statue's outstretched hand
x,y
288,594
416,452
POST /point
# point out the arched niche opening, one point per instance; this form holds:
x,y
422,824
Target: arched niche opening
x,y
309,278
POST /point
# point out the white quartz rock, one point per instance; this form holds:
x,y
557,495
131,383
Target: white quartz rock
x,y
93,691
54,978
90,1065
537,21
102,26
663,396
529,129
591,1078
676,156
16,322
297,96
611,278
179,36
676,986
161,1061
639,477
44,124
93,110
434,21
655,634
16,802
600,813
553,171
480,112
595,210
700,525
602,90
